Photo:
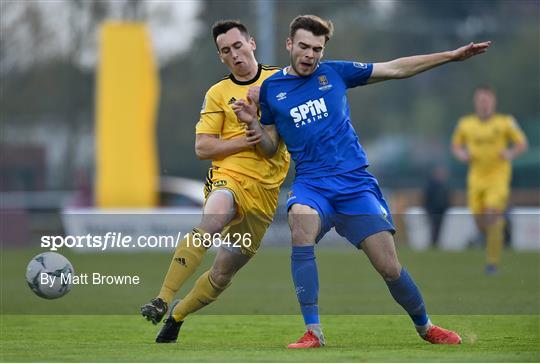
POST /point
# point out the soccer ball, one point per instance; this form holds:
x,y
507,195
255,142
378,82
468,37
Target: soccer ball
x,y
49,275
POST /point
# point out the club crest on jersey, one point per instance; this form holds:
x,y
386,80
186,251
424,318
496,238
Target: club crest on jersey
x,y
290,196
309,112
220,183
323,82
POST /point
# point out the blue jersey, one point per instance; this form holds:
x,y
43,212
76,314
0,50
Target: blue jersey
x,y
312,116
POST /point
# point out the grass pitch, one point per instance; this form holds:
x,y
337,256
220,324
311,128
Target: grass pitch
x,y
262,338
498,317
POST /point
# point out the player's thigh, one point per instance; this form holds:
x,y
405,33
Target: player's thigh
x,y
475,199
381,251
246,236
496,203
258,206
496,198
219,210
305,224
221,190
310,213
367,215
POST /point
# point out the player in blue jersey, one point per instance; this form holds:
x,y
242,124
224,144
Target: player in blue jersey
x,y
306,106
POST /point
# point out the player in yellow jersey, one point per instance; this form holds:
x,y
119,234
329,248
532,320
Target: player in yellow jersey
x,y
488,142
241,189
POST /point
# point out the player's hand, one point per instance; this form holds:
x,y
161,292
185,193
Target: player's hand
x,y
470,50
253,94
462,155
506,154
253,136
245,111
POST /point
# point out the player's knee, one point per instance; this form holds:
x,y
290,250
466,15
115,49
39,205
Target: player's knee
x,y
298,232
221,278
300,237
390,271
492,216
212,225
217,214
304,223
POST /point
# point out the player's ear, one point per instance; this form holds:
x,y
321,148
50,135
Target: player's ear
x,y
288,44
253,43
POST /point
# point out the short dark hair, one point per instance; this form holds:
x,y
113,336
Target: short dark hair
x,y
312,23
223,26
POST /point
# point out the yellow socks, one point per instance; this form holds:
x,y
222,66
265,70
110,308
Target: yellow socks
x,y
186,259
494,242
204,292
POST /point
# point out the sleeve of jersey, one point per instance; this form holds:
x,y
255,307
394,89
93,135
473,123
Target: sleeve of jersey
x,y
458,137
266,114
353,73
212,116
515,133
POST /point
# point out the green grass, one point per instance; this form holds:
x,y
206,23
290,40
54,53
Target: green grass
x,y
498,317
262,338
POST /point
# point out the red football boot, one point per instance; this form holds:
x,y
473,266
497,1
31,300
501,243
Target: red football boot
x,y
309,340
438,335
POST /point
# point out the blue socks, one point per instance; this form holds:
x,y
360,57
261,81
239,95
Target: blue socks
x,y
306,282
409,297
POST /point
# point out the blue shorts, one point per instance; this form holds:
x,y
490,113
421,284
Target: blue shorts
x,y
351,202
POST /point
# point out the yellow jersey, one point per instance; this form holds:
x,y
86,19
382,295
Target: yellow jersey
x,y
218,118
485,140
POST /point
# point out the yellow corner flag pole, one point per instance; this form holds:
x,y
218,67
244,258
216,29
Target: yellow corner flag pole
x,y
127,96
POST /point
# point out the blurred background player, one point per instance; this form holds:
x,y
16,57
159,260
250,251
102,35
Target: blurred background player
x,y
436,200
241,188
488,142
306,106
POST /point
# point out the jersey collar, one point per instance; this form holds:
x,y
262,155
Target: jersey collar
x,y
248,82
286,71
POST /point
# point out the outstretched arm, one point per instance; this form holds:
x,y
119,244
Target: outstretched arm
x,y
410,66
